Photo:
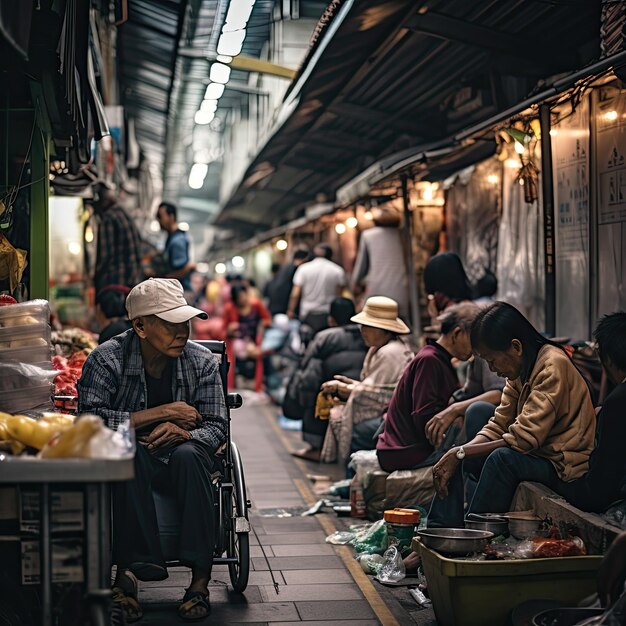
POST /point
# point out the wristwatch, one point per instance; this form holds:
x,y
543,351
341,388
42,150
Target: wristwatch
x,y
460,453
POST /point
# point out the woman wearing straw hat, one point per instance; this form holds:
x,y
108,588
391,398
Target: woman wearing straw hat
x,y
367,399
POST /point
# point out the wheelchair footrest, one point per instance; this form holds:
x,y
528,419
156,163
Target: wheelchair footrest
x,y
242,525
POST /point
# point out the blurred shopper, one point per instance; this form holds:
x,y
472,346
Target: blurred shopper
x,y
338,350
118,253
445,282
315,285
245,319
380,267
424,390
176,250
367,399
278,289
111,312
543,430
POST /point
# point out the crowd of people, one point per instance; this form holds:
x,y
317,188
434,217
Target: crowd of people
x,y
523,410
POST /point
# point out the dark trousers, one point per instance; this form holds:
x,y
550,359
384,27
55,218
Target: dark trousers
x,y
503,470
187,477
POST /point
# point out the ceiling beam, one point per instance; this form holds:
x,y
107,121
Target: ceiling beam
x,y
487,38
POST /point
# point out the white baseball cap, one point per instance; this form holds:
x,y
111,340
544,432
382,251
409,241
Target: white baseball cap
x,y
163,297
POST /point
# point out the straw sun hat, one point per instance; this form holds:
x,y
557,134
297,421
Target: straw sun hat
x,y
381,312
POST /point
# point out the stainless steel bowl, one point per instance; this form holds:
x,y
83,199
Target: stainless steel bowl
x,y
495,524
524,528
455,541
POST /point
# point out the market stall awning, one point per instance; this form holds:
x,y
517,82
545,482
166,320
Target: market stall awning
x,y
382,76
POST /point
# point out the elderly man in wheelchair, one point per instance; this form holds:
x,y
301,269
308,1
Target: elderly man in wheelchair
x,y
170,390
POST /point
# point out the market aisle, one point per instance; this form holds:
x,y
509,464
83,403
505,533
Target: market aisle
x,y
316,583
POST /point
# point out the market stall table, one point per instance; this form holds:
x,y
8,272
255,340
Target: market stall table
x,y
96,476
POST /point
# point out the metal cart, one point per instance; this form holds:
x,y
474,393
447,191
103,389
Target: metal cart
x,y
95,477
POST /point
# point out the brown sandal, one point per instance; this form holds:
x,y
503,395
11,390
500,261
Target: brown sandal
x,y
192,600
128,603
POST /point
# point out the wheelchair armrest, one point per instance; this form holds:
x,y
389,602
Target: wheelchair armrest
x,y
234,401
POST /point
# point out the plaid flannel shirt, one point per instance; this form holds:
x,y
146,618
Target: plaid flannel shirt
x,y
118,256
113,385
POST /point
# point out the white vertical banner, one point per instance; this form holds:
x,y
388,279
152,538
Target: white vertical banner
x,y
570,157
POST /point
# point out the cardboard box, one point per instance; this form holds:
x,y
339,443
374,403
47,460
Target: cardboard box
x,y
67,561
67,511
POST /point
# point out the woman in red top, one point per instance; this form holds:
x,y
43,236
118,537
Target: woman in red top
x,y
245,319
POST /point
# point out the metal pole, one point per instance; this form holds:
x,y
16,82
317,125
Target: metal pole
x,y
45,545
410,265
547,185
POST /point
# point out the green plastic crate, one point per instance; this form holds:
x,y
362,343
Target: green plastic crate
x,y
483,593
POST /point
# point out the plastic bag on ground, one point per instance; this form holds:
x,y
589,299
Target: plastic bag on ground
x,y
392,570
340,538
372,539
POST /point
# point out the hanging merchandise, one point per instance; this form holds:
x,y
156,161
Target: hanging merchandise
x,y
12,263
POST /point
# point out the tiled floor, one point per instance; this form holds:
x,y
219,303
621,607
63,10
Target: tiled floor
x,y
315,584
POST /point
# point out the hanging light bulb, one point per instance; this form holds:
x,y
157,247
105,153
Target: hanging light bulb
x,y
281,245
340,229
352,222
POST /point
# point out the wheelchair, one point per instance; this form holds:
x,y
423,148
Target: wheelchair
x,y
233,527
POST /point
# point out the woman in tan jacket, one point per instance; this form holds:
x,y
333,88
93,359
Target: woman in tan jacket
x,y
542,431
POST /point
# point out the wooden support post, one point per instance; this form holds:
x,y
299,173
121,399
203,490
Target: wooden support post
x,y
547,185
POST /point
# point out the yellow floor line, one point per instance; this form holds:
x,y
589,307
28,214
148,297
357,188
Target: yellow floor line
x,y
345,554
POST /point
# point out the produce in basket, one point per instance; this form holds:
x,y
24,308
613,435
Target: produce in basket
x,y
34,433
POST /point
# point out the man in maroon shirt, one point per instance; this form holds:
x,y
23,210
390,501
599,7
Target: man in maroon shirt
x,y
423,391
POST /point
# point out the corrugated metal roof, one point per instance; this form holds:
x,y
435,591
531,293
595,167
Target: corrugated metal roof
x,y
387,75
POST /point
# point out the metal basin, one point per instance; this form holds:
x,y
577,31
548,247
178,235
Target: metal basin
x,y
523,527
455,541
490,522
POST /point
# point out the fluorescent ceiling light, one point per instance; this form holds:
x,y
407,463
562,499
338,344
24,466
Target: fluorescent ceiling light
x,y
230,43
220,73
208,106
224,58
197,175
204,117
238,14
214,91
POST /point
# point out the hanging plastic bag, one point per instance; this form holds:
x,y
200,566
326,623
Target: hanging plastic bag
x,y
392,570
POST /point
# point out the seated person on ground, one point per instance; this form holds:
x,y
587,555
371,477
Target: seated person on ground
x,y
542,431
245,318
603,483
110,311
171,392
353,425
423,391
336,351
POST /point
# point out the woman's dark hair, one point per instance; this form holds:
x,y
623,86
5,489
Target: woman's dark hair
x,y
496,326
341,310
444,273
235,291
486,286
610,334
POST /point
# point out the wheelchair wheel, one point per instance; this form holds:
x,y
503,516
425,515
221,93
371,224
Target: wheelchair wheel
x,y
238,543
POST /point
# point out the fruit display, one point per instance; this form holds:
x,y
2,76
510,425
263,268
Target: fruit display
x,y
70,370
70,340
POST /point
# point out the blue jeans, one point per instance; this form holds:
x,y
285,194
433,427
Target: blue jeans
x,y
503,470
